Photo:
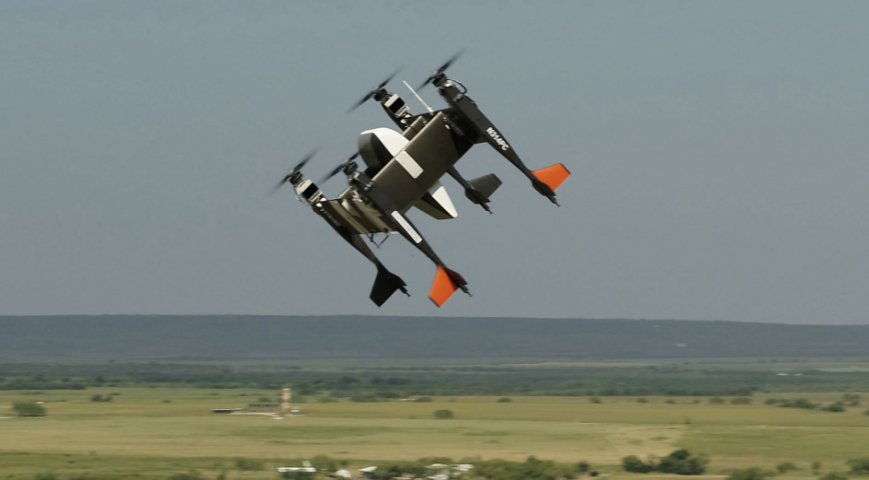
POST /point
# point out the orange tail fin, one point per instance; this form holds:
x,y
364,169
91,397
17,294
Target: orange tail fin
x,y
443,287
553,176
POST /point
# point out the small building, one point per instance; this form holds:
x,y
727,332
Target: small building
x,y
306,468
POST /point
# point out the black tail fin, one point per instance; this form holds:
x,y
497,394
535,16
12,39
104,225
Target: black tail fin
x,y
484,186
385,285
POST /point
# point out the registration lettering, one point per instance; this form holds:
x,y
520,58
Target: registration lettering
x,y
498,138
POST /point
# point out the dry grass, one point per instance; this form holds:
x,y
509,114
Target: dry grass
x,y
169,430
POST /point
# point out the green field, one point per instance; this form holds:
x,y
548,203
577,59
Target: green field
x,y
156,432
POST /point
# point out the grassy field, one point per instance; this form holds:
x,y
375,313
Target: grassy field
x,y
155,432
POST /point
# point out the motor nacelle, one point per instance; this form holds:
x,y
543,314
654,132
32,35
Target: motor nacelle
x,y
308,190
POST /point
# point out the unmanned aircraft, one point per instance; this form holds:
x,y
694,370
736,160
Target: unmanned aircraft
x,y
403,170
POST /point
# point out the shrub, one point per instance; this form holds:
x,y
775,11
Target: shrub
x,y
365,398
388,394
392,470
531,469
785,467
716,401
444,414
28,409
681,462
297,476
798,403
753,473
859,466
248,464
423,399
505,400
633,463
191,475
324,463
77,476
594,400
834,407
833,476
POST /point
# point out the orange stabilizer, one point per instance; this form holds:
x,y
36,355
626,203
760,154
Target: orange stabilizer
x,y
553,176
443,287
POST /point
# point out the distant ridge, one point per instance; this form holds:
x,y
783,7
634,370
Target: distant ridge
x,y
160,337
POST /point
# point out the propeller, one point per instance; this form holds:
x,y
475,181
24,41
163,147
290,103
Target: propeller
x,y
343,166
295,172
374,91
443,68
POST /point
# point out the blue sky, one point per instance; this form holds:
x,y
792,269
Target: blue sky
x,y
719,152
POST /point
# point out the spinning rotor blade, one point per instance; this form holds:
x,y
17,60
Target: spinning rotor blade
x,y
443,68
373,92
331,174
339,168
304,161
295,170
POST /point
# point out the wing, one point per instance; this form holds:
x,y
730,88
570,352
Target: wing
x,y
416,168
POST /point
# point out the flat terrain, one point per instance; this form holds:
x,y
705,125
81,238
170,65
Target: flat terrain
x,y
156,432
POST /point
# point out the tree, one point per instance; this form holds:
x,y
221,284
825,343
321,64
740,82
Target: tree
x,y
633,463
681,462
531,469
28,409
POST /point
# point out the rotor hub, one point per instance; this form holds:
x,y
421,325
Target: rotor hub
x,y
295,178
439,79
349,168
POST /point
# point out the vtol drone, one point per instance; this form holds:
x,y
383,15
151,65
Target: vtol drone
x,y
403,170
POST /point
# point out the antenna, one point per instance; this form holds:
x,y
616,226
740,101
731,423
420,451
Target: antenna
x,y
417,96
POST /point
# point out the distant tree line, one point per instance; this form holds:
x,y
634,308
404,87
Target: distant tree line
x,y
368,383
